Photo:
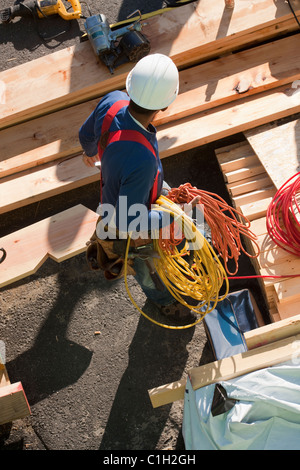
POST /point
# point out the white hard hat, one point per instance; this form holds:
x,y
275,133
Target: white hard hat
x,y
153,83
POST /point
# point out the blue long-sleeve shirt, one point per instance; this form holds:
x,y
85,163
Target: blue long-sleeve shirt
x,y
128,168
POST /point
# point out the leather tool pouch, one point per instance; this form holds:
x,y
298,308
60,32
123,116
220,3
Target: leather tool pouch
x,y
109,256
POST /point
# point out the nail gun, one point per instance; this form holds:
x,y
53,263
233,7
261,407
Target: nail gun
x,y
41,9
116,47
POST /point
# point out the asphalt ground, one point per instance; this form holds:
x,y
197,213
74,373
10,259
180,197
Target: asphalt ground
x,y
89,391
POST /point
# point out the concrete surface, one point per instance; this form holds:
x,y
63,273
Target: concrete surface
x,y
88,391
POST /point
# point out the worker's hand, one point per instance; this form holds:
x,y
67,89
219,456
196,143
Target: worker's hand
x,y
89,161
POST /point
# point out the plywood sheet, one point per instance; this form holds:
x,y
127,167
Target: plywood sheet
x,y
278,148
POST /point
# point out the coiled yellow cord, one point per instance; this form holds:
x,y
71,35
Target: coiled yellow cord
x,y
202,281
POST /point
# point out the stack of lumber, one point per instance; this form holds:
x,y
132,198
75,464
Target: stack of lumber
x,y
251,188
226,87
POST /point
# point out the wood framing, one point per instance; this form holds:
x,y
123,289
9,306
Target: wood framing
x,y
228,368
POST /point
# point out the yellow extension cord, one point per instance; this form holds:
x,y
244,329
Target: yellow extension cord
x,y
201,282
146,16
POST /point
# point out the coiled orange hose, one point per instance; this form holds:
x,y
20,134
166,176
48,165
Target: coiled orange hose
x,y
227,224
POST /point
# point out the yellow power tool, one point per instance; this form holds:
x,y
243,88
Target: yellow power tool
x,y
42,9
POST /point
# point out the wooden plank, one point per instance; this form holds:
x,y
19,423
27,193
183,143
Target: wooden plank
x,y
13,403
264,66
254,196
236,166
253,183
214,30
168,393
59,237
244,363
46,181
288,309
218,82
231,152
247,169
188,34
43,139
288,290
256,210
277,147
270,333
184,134
227,120
261,357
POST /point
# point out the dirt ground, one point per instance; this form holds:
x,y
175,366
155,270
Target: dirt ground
x,y
89,391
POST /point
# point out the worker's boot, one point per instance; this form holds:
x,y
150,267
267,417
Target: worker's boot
x,y
179,313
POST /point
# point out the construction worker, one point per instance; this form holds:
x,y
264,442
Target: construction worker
x,y
120,133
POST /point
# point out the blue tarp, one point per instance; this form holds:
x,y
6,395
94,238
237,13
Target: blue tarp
x,y
266,415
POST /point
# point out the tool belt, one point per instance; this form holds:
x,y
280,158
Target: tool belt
x,y
109,255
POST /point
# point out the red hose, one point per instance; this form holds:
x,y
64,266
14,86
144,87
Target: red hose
x,y
283,216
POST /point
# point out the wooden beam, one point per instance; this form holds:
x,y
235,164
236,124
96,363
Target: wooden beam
x,y
183,135
59,237
188,34
257,209
49,180
13,403
220,81
227,120
202,87
228,368
288,290
42,140
270,333
244,363
167,393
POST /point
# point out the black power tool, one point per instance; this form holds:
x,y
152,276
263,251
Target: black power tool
x,y
116,47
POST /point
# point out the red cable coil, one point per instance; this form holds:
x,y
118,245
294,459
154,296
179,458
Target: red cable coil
x,y
283,216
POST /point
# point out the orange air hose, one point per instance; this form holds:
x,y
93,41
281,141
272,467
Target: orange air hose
x,y
226,224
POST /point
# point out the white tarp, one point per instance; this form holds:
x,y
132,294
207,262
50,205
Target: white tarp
x,y
265,417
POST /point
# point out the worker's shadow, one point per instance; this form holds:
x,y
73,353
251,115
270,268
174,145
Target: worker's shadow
x,y
53,361
49,33
156,356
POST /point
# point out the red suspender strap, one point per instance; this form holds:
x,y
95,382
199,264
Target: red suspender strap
x,y
111,113
135,136
125,135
